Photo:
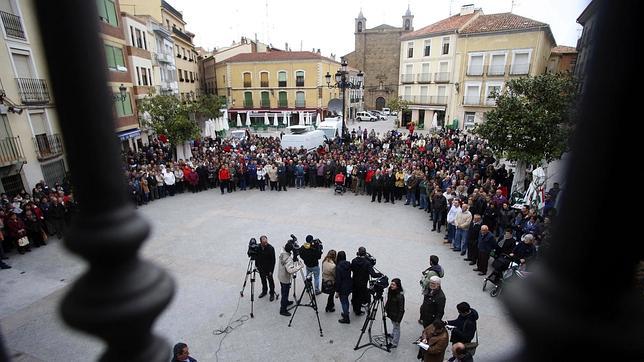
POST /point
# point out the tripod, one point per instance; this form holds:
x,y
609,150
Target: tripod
x,y
368,323
250,270
308,289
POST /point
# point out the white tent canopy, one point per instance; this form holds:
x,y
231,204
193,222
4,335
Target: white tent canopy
x,y
248,119
266,121
275,121
239,124
317,119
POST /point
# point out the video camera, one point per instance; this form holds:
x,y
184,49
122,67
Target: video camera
x,y
253,249
370,259
377,285
317,244
296,247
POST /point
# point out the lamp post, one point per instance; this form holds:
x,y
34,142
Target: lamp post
x,y
342,82
122,94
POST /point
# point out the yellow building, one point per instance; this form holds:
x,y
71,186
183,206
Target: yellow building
x,y
494,49
290,84
186,61
31,146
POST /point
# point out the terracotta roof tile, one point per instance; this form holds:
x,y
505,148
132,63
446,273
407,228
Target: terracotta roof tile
x,y
562,49
500,22
450,24
276,56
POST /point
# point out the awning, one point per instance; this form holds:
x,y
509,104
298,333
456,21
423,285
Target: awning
x,y
130,133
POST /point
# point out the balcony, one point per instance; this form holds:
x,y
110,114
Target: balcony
x,y
11,151
520,69
430,100
424,77
182,35
33,91
12,25
406,78
472,100
248,104
441,77
442,100
48,146
300,104
163,58
496,69
475,70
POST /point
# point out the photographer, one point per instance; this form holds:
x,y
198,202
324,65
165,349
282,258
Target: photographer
x,y
288,267
266,265
362,267
311,253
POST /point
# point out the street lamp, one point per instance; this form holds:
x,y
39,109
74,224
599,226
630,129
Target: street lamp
x,y
122,94
342,82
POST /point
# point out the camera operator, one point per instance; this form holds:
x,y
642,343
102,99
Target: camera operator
x,y
287,268
265,263
362,268
311,254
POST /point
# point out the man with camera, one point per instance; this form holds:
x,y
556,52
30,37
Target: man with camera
x,y
265,263
289,265
311,253
362,267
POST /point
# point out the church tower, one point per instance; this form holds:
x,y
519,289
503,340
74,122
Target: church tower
x,y
408,21
361,23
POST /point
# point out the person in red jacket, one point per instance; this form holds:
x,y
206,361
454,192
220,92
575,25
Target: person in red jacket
x,y
367,179
224,178
16,230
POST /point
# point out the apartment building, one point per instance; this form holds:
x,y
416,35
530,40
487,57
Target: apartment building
x,y
31,146
286,84
184,49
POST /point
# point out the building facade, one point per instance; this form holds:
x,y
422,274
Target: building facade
x,y
587,19
120,67
377,54
31,147
562,59
427,69
286,84
184,49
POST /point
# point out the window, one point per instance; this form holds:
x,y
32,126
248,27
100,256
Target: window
x,y
445,45
138,76
300,100
248,99
185,75
410,49
180,75
107,11
472,94
428,47
469,119
132,35
497,64
424,73
139,39
491,88
281,79
123,109
521,62
408,77
266,102
145,42
360,27
283,100
475,64
247,80
149,76
407,95
53,172
115,59
144,76
263,79
407,24
299,78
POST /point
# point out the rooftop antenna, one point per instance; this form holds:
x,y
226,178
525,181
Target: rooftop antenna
x,y
451,5
268,37
514,3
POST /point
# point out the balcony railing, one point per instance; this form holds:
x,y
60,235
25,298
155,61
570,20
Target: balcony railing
x,y
33,91
406,78
424,77
281,83
163,58
496,69
475,69
472,100
248,104
12,25
433,100
300,104
48,146
520,68
438,100
183,36
441,77
11,151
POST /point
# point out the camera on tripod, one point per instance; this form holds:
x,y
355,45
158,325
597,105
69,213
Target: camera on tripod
x,y
253,249
378,285
296,247
370,259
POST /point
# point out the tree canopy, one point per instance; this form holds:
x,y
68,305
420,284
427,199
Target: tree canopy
x,y
532,118
398,104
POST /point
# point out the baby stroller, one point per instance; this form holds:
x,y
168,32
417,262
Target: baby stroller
x,y
505,268
339,183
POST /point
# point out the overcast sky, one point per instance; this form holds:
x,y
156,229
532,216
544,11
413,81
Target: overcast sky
x,y
305,24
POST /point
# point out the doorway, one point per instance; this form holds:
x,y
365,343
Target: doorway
x,y
380,103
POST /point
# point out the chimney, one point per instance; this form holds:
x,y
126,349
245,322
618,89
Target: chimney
x,y
286,46
318,50
467,9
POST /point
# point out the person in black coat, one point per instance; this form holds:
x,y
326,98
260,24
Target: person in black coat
x,y
486,244
395,308
472,239
464,324
377,186
343,284
281,177
439,206
433,307
362,269
265,263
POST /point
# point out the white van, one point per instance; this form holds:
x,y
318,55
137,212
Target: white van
x,y
365,116
310,140
386,111
332,127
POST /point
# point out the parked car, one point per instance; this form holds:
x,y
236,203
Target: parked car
x,y
379,115
386,112
365,116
